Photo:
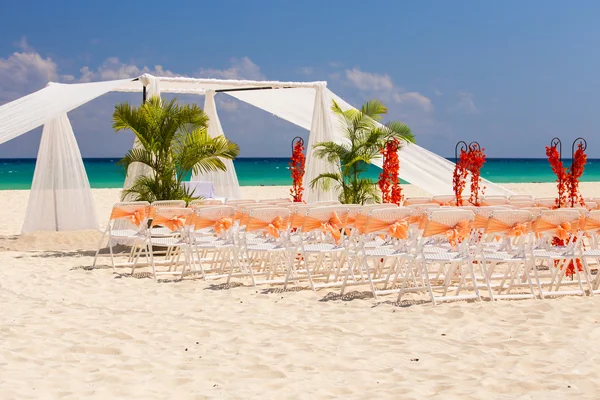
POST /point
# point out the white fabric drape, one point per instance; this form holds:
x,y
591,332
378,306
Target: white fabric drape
x,y
135,170
29,112
320,131
225,182
60,198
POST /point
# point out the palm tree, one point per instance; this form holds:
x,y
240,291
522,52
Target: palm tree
x,y
365,137
174,143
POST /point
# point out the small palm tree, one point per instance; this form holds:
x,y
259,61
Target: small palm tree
x,y
365,136
175,143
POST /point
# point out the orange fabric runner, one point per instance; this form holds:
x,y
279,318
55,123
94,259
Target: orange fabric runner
x,y
171,223
516,230
480,222
397,229
591,224
136,216
333,226
561,230
272,227
454,233
219,225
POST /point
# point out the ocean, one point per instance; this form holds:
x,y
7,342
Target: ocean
x,y
105,173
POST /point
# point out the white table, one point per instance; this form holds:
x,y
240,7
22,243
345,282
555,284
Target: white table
x,y
204,189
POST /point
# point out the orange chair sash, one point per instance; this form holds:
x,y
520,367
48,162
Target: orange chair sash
x,y
171,223
516,230
359,222
135,216
219,225
297,221
454,233
333,226
591,224
480,222
562,231
397,229
272,228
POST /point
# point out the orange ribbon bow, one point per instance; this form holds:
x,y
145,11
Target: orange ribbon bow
x,y
453,233
333,226
135,216
563,230
224,224
399,230
272,227
171,223
516,230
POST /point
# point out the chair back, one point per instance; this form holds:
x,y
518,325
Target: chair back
x,y
172,218
440,222
417,200
238,202
393,222
272,221
133,212
219,219
561,223
518,204
445,200
520,197
510,222
545,202
495,200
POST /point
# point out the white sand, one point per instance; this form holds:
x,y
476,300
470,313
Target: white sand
x,y
70,332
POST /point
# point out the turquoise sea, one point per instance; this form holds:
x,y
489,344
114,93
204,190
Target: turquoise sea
x,y
104,173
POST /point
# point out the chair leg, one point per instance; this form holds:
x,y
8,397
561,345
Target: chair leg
x,y
98,251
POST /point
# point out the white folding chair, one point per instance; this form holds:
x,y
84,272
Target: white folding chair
x,y
454,264
177,222
132,216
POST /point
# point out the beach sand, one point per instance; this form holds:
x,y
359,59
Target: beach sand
x,y
67,331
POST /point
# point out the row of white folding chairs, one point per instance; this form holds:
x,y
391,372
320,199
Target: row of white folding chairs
x,y
320,261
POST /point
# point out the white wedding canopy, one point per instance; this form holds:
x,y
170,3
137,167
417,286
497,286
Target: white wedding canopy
x,y
60,197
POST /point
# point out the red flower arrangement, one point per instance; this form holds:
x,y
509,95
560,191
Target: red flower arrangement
x,y
575,173
459,177
476,159
470,161
389,182
297,171
561,174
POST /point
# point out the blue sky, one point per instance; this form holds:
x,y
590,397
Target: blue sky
x,y
510,74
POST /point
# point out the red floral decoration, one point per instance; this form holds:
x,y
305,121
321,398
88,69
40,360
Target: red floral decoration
x,y
459,178
561,174
297,171
389,181
574,174
476,158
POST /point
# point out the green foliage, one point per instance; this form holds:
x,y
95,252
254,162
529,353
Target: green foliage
x,y
175,142
365,137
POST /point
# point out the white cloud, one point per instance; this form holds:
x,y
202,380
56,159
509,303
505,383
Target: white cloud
x,y
382,86
369,81
112,68
414,98
241,68
306,70
465,104
25,72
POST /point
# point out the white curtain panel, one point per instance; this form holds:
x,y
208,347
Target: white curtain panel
x,y
60,197
225,182
320,131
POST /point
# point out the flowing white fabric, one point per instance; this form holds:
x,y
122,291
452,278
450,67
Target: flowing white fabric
x,y
225,182
60,198
29,112
420,167
320,131
136,170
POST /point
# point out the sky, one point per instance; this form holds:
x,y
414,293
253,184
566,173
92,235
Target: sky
x,y
510,74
